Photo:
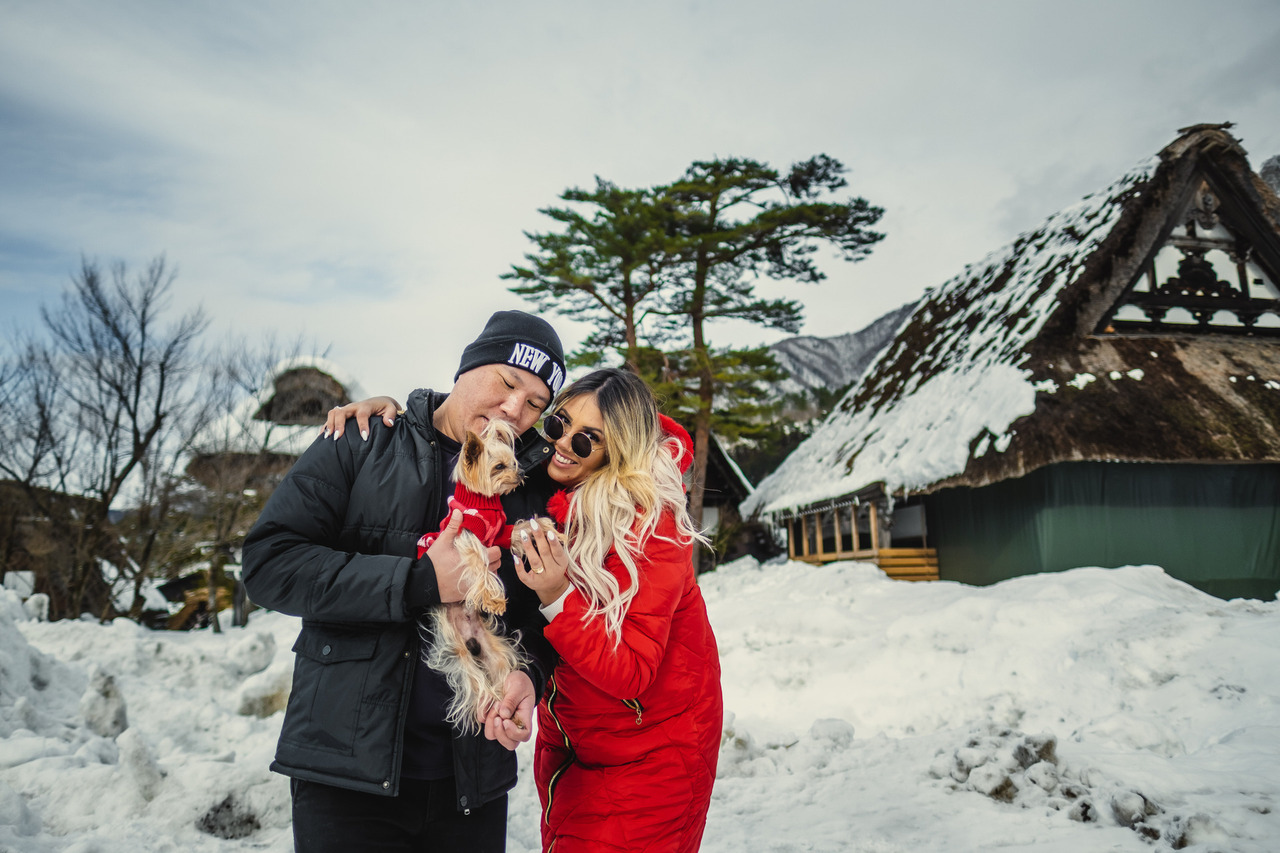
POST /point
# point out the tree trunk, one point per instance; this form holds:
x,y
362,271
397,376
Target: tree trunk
x,y
215,576
706,392
633,344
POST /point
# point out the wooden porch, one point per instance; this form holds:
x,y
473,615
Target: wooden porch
x,y
834,533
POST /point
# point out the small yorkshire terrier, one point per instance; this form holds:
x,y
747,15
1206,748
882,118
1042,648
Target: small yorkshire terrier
x,y
467,647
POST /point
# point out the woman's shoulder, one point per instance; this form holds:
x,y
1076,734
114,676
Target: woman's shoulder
x,y
665,525
666,538
667,521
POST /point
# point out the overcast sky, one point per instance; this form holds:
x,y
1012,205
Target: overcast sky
x,y
361,173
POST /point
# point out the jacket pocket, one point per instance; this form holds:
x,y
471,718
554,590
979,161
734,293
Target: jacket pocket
x,y
330,672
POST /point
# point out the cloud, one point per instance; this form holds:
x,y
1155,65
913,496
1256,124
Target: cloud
x,y
363,176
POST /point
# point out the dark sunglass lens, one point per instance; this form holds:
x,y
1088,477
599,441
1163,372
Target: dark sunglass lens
x,y
553,427
581,444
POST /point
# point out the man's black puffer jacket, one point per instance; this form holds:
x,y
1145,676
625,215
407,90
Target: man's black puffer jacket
x,y
335,545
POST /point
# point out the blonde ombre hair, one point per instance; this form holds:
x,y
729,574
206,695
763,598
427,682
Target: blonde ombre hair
x,y
619,504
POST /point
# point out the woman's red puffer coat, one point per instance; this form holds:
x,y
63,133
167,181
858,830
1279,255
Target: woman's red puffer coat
x,y
628,736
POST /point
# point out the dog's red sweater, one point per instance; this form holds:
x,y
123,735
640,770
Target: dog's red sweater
x,y
483,516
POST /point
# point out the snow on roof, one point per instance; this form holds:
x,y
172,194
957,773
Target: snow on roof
x,y
954,372
241,431
738,472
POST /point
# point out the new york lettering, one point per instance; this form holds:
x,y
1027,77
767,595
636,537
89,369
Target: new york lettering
x,y
530,358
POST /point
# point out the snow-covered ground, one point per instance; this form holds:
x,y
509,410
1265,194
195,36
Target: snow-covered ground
x,y
1091,710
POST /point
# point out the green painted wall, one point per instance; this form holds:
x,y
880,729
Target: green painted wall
x,y
1216,527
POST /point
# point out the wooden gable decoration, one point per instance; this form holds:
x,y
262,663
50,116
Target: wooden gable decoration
x,y
1215,269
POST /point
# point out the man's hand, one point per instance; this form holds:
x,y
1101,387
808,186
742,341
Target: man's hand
x,y
511,723
447,561
335,423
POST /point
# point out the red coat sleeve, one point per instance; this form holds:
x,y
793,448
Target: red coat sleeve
x,y
625,671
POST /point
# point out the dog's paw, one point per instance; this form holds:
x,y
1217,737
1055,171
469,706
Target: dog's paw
x,y
487,595
530,527
493,601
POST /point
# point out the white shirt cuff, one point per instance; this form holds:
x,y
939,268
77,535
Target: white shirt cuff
x,y
552,610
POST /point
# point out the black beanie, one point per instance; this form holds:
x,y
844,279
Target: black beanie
x,y
520,340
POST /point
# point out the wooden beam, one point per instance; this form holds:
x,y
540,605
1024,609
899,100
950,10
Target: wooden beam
x,y
909,564
818,537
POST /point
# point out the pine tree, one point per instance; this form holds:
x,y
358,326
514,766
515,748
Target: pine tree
x,y
653,267
606,267
738,220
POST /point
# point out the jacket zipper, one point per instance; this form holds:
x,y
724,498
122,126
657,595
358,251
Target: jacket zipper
x,y
552,693
392,783
634,704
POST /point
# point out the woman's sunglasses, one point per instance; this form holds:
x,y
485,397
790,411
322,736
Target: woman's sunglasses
x,y
583,444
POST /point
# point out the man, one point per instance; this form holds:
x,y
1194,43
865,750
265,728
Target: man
x,y
373,764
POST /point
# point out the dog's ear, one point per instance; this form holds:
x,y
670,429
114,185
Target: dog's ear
x,y
471,449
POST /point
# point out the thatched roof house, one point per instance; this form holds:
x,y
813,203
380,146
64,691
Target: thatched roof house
x,y
269,430
1042,409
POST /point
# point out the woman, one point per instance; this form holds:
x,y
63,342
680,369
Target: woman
x,y
629,725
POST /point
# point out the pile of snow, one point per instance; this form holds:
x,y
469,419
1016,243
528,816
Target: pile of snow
x,y
1089,710
118,738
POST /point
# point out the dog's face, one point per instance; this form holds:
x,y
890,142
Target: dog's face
x,y
487,463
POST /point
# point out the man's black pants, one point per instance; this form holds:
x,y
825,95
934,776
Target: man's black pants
x,y
423,819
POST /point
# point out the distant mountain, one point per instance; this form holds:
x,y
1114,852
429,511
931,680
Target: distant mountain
x,y
819,368
831,363
1270,173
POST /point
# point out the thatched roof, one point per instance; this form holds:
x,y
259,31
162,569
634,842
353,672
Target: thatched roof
x,y
301,395
285,415
1117,330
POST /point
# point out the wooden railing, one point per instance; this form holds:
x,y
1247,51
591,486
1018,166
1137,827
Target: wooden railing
x,y
912,564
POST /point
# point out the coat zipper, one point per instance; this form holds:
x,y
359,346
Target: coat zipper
x,y
634,704
552,693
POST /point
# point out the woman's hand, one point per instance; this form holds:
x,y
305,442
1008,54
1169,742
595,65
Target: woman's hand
x,y
547,564
336,422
